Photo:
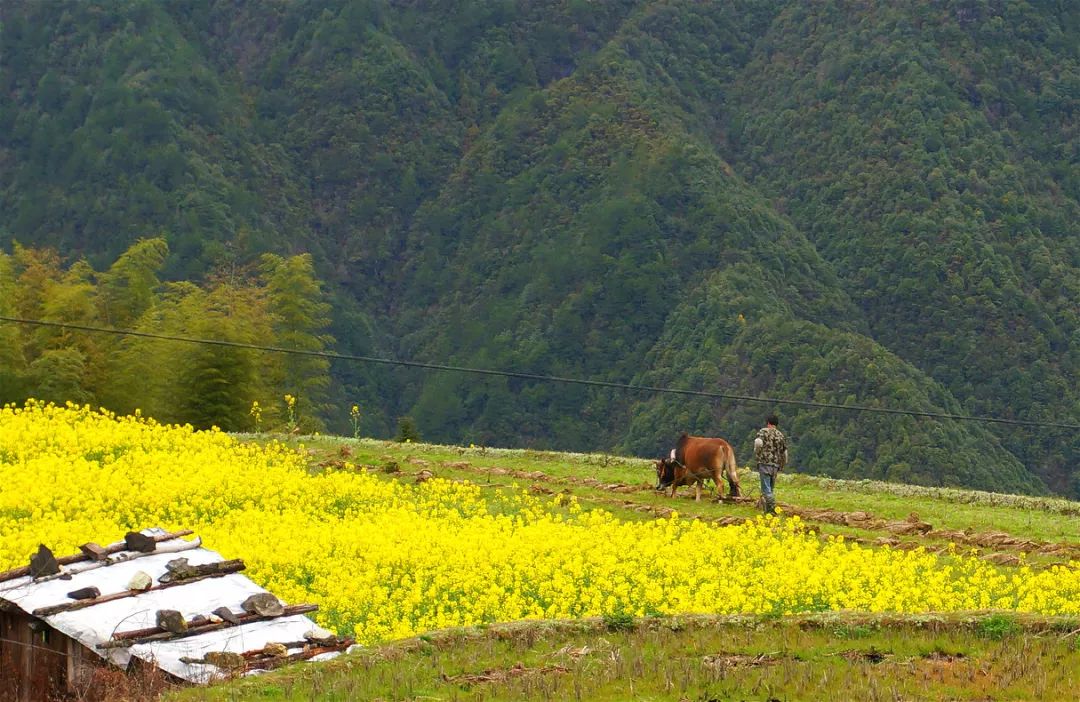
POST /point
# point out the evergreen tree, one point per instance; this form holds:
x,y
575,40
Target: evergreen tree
x,y
36,271
73,299
407,430
300,318
63,364
12,362
215,385
60,375
129,287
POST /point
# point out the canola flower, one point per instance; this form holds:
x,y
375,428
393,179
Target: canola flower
x,y
385,560
354,419
256,414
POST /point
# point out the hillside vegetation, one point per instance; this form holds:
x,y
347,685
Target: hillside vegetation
x,y
843,202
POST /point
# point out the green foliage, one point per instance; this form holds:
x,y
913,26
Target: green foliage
x,y
856,631
172,381
939,200
214,382
59,375
116,121
407,430
873,204
997,627
12,361
618,620
300,318
130,285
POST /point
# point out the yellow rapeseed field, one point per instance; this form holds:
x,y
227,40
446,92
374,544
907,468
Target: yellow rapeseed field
x,y
387,560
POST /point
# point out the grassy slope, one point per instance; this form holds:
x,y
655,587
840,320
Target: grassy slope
x,y
976,656
1033,518
698,658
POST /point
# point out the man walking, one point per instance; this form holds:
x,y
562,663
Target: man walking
x,y
770,454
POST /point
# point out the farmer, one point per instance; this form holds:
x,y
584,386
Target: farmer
x,y
770,454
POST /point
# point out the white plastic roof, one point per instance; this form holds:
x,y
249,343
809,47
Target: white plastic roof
x,y
96,624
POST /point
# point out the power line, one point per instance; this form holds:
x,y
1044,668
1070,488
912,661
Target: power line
x,y
539,377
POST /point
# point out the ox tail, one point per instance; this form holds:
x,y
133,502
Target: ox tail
x,y
732,470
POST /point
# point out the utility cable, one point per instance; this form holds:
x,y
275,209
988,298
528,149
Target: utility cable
x,y
540,377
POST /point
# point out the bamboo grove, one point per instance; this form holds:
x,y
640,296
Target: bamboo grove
x,y
276,301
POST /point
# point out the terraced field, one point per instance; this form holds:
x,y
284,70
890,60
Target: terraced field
x,y
978,655
477,573
999,528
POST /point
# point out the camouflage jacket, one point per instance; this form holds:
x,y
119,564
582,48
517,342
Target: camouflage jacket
x,y
772,449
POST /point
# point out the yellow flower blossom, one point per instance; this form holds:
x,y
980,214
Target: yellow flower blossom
x,y
385,560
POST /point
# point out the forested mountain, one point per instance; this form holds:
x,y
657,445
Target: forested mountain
x,y
840,202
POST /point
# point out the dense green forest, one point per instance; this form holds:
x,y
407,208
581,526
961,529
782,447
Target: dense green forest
x,y
840,202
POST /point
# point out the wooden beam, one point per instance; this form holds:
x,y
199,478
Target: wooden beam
x,y
232,567
123,639
270,663
260,660
305,645
312,642
189,545
288,644
110,549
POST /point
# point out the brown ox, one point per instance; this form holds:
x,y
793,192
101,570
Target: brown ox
x,y
697,458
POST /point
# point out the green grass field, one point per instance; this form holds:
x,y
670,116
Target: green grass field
x,y
624,486
837,655
702,659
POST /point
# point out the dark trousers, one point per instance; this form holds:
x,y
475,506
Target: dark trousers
x,y
767,473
